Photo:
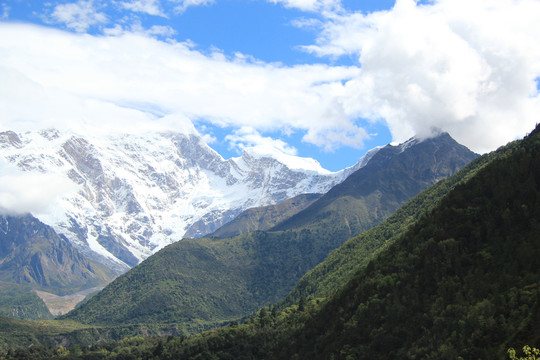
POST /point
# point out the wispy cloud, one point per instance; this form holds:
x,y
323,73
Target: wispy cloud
x,y
5,12
136,27
310,5
182,5
30,192
248,139
79,16
150,7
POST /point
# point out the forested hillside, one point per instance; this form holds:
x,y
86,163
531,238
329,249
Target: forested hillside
x,y
341,264
462,282
19,302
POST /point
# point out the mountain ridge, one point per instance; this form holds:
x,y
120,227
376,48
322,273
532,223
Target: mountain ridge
x,y
32,253
33,258
386,163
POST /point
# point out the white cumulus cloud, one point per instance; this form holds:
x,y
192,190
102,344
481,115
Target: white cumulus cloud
x,y
469,67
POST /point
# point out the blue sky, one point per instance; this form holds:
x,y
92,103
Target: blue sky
x,y
326,79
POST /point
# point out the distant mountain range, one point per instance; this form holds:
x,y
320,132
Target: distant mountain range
x,y
452,274
204,282
134,194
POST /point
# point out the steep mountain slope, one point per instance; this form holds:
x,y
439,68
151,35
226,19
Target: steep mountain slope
x,y
208,281
19,302
342,264
134,194
265,217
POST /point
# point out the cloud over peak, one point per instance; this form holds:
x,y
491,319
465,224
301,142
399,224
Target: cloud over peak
x,y
468,67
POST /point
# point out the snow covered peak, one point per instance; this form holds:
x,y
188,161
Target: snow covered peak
x,y
133,193
291,161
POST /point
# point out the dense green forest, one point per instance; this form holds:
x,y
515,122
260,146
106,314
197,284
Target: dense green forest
x,y
462,282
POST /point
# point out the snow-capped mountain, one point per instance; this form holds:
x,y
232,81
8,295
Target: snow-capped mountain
x,y
131,195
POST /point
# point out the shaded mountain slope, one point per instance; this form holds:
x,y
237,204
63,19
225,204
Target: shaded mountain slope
x,y
265,217
342,264
209,281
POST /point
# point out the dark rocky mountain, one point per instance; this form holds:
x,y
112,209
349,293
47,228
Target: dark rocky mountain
x,y
32,253
203,282
393,176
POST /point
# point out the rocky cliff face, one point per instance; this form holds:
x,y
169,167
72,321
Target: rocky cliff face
x,y
134,194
